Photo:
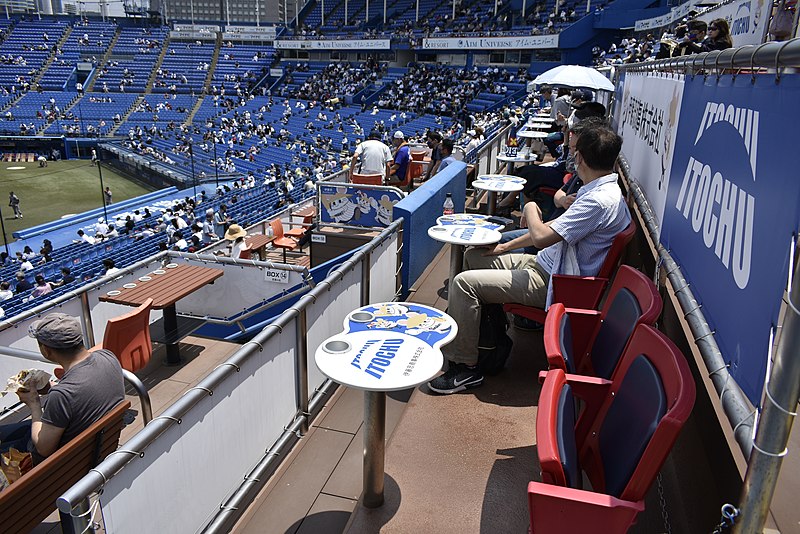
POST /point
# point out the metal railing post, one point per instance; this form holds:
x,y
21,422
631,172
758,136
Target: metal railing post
x,y
366,263
86,315
772,435
301,336
78,520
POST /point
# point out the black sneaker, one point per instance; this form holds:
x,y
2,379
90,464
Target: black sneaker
x,y
457,378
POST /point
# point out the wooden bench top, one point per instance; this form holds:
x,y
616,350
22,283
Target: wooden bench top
x,y
29,500
165,289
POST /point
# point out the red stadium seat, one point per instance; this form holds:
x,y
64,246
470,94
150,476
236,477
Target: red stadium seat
x,y
589,342
582,292
631,424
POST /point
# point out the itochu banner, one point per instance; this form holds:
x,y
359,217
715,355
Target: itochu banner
x,y
357,205
732,207
648,122
747,19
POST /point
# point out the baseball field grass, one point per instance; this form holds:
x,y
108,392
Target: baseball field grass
x,y
61,188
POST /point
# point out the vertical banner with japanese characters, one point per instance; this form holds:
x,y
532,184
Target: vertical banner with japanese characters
x,y
648,123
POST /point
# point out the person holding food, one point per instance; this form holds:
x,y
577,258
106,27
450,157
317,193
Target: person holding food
x,y
90,387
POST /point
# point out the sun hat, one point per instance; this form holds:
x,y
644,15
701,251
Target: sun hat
x,y
234,232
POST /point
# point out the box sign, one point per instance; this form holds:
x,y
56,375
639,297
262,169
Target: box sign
x,y
277,276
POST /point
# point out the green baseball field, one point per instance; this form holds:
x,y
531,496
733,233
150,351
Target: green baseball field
x,y
62,188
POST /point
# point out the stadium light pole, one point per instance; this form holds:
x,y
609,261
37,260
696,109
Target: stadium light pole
x,y
216,162
345,12
102,188
323,12
3,225
194,176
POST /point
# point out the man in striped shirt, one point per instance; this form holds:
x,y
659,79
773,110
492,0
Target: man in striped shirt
x,y
575,243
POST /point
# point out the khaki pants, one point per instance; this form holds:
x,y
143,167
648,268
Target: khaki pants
x,y
500,279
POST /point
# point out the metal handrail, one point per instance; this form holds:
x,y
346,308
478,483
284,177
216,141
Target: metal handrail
x,y
95,479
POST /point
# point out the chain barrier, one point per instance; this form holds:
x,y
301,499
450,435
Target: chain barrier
x,y
663,502
729,515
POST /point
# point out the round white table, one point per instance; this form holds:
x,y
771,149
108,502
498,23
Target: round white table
x,y
460,236
384,347
532,134
507,184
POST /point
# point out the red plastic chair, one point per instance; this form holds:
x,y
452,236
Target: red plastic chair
x,y
631,424
582,292
591,343
366,179
284,243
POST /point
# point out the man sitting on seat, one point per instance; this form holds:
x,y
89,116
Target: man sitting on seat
x,y
90,387
402,158
575,243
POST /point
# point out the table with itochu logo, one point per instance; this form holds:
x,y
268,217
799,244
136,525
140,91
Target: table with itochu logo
x,y
384,347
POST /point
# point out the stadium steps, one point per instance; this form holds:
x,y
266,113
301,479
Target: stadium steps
x,y
46,64
128,113
64,111
103,61
154,73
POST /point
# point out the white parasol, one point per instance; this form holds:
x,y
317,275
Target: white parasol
x,y
575,76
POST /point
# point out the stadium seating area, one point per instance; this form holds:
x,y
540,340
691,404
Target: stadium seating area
x,y
145,87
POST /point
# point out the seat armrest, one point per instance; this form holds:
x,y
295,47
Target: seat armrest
x,y
529,312
559,509
579,291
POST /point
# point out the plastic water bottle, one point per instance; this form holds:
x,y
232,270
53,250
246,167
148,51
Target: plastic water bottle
x,y
448,208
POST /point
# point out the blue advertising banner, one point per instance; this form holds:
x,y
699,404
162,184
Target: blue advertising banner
x,y
357,205
732,207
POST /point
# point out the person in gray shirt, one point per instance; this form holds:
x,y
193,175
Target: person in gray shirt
x,y
90,387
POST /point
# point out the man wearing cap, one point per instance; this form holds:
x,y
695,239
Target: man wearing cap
x,y
209,236
402,158
90,387
371,157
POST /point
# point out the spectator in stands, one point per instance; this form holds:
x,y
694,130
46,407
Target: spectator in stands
x,y
719,36
110,267
561,108
209,236
694,39
5,291
28,253
575,243
84,238
47,246
42,287
4,258
402,158
236,234
66,278
26,265
433,141
447,154
91,385
371,156
13,202
22,284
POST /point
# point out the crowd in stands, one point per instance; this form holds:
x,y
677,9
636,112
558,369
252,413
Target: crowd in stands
x,y
692,37
339,79
443,90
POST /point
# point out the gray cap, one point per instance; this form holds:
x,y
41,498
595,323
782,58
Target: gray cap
x,y
57,330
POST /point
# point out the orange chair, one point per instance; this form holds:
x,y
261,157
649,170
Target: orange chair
x,y
246,253
365,179
299,232
128,337
285,243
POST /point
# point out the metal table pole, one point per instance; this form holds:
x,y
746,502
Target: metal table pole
x,y
374,440
456,261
